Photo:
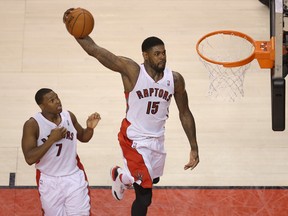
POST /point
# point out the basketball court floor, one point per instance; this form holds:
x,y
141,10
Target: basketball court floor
x,y
243,162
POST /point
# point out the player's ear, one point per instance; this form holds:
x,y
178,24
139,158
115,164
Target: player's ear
x,y
41,106
145,55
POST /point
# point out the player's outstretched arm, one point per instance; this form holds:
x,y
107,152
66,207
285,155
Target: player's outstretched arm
x,y
105,57
128,68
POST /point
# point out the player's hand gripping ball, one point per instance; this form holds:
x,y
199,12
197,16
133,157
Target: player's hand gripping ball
x,y
79,22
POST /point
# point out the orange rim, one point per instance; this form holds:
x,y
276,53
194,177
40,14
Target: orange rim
x,y
229,64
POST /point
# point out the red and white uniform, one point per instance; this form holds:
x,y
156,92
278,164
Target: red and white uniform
x,y
60,159
61,180
148,105
142,131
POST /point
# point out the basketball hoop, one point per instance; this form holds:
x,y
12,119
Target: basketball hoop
x,y
227,55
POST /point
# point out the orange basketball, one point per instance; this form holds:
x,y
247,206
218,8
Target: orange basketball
x,y
79,22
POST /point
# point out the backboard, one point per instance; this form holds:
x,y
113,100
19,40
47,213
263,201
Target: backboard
x,y
278,12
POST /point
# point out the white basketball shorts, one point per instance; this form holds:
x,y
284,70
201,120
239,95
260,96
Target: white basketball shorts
x,y
64,195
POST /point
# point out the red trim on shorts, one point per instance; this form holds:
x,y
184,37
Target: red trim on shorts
x,y
38,174
81,167
135,162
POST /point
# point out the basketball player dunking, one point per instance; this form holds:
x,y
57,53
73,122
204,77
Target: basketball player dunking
x,y
148,90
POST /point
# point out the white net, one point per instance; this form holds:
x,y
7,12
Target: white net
x,y
226,83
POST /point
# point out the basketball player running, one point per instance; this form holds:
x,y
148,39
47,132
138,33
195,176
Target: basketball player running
x,y
148,90
49,141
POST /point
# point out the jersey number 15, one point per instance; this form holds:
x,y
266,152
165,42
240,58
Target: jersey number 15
x,y
152,107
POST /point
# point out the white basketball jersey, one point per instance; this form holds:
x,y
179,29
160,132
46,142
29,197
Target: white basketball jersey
x,y
148,105
60,159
